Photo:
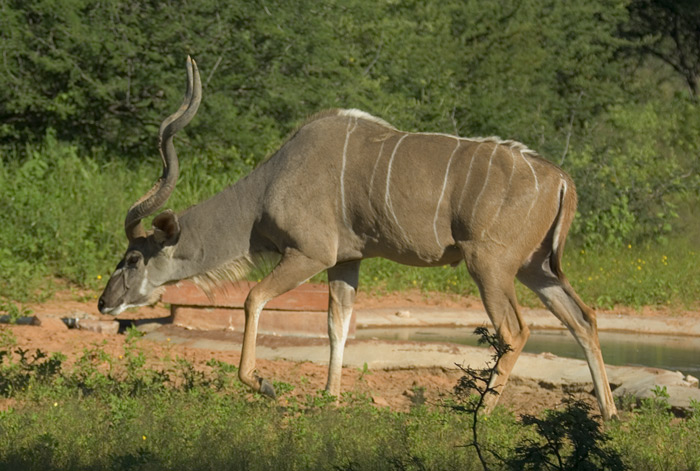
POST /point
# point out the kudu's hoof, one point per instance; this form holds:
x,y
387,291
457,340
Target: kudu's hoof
x,y
267,389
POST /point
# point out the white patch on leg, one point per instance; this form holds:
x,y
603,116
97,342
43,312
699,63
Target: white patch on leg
x,y
335,364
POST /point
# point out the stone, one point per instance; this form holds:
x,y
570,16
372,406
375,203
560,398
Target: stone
x,y
680,390
379,401
49,322
101,327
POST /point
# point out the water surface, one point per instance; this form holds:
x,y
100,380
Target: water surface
x,y
660,351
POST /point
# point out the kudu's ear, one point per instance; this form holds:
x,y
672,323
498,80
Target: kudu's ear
x,y
166,228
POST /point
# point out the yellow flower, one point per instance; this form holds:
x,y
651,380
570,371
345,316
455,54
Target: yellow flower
x,y
99,277
143,437
629,246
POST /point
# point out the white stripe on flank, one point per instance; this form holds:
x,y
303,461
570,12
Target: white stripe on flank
x,y
503,200
374,170
442,193
486,181
537,186
342,169
466,180
387,197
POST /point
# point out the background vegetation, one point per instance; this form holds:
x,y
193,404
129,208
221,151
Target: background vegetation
x,y
132,411
604,88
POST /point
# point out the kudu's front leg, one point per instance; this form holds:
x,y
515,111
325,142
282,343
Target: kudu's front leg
x,y
342,287
293,269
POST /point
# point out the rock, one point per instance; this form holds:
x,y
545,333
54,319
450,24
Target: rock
x,y
692,380
681,389
151,325
102,327
379,401
403,314
49,322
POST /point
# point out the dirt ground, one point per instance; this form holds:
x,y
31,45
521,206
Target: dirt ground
x,y
398,389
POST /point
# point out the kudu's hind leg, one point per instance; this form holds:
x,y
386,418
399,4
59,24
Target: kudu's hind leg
x,y
342,284
561,299
293,269
497,289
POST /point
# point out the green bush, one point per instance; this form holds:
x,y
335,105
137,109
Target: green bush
x,y
635,172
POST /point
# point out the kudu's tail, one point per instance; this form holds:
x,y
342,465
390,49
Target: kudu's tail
x,y
567,210
562,223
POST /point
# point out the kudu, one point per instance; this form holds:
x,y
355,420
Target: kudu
x,y
348,186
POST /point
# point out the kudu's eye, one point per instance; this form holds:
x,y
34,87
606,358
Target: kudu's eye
x,y
132,260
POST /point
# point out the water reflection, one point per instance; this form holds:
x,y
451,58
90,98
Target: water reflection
x,y
660,351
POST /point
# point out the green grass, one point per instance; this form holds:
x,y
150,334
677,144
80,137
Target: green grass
x,y
119,413
647,275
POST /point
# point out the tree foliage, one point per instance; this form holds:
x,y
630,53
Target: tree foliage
x,y
558,76
669,30
105,72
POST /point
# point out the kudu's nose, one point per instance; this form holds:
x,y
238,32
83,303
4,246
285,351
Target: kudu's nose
x,y
101,304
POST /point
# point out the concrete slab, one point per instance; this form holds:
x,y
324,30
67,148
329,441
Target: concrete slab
x,y
536,319
291,323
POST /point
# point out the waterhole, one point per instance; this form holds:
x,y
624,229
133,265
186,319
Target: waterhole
x,y
673,353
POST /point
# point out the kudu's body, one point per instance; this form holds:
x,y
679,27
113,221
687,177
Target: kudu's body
x,y
348,186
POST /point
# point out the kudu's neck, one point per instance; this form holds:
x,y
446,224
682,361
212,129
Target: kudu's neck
x,y
218,233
